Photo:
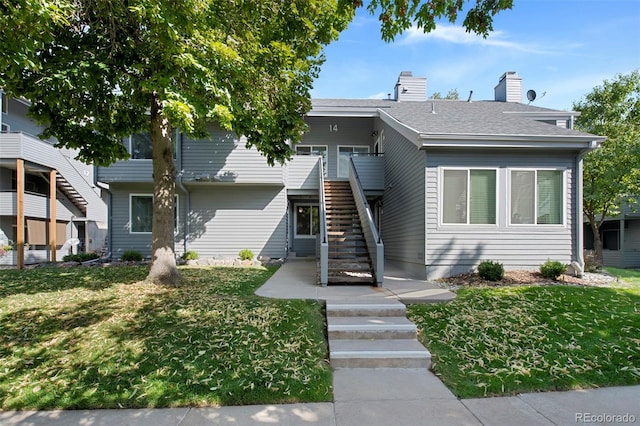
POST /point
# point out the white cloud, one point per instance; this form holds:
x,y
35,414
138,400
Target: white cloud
x,y
379,95
458,35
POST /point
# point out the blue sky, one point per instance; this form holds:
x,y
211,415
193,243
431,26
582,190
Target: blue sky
x,y
562,48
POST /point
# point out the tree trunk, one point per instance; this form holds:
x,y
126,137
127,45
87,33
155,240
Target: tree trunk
x,y
597,241
163,260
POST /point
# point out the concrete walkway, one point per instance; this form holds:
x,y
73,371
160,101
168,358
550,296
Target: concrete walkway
x,y
371,397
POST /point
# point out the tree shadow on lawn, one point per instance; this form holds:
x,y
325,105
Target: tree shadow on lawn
x,y
159,346
48,279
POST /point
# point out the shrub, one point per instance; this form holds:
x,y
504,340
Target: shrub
x,y
491,271
190,255
131,256
245,254
552,269
80,257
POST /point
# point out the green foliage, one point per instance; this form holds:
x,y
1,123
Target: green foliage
x,y
397,16
80,257
552,269
509,340
132,344
131,256
190,255
245,254
489,270
612,172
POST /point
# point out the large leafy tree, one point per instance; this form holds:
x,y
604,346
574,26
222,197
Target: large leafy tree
x,y
611,173
98,70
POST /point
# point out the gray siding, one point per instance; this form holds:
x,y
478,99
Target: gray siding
x,y
403,227
123,240
631,244
350,131
126,171
225,158
227,219
37,206
302,174
458,249
370,172
17,145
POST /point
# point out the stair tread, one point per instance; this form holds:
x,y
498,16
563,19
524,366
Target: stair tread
x,y
377,346
370,322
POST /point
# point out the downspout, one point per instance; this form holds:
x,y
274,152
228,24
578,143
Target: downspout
x,y
578,264
109,201
187,203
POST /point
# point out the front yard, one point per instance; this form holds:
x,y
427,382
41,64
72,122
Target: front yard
x,y
101,338
512,339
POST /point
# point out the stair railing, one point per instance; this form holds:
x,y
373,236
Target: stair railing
x,y
324,239
371,236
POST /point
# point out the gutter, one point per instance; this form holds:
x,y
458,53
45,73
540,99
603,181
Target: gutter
x,y
109,201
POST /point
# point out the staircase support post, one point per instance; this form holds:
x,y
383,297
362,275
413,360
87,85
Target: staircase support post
x,y
52,215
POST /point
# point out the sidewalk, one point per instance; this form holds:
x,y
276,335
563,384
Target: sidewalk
x,y
371,397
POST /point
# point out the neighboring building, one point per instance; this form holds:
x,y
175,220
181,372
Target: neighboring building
x,y
448,184
45,193
620,237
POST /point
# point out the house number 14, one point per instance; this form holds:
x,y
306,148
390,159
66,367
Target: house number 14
x,y
333,127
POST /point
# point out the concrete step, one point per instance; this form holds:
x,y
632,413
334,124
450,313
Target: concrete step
x,y
371,327
397,353
351,279
365,309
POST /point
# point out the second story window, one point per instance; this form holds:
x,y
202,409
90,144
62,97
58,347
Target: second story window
x,y
4,100
140,146
320,150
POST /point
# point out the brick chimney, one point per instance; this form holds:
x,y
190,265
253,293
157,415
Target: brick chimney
x,y
410,88
509,88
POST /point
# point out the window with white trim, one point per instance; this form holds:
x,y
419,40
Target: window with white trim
x,y
537,197
314,150
469,196
141,213
307,222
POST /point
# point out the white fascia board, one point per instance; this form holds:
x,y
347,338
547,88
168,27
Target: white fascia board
x,y
509,141
331,111
408,132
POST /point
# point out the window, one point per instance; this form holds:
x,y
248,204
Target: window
x,y
307,220
5,128
140,146
537,197
469,197
141,213
344,154
314,150
4,100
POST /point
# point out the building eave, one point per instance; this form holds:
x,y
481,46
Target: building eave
x,y
582,142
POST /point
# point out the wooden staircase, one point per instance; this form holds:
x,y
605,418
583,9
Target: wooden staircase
x,y
349,261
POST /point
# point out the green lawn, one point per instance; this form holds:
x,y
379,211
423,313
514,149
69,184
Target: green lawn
x,y
102,338
506,340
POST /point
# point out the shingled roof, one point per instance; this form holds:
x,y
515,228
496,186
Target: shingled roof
x,y
454,117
